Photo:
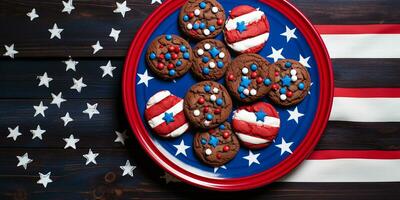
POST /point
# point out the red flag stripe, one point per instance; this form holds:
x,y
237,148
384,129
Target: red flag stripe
x,y
361,154
252,30
368,92
165,129
359,29
263,132
161,106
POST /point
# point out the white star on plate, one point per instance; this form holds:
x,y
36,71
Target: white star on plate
x,y
10,51
169,178
285,147
304,61
252,158
127,169
14,133
44,80
91,157
294,115
97,47
121,137
37,133
32,15
289,34
55,32
144,78
181,148
57,99
309,91
115,34
67,119
70,142
78,84
276,54
217,168
121,8
91,110
44,179
154,1
24,160
107,69
70,64
68,7
39,109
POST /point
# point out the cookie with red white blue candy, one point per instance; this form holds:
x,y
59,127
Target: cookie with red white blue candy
x,y
246,29
207,104
169,56
291,82
256,125
164,114
248,77
201,19
210,59
216,147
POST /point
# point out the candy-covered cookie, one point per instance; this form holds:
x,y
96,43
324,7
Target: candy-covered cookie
x,y
216,146
164,114
248,77
207,104
291,82
256,125
210,59
169,56
246,29
201,19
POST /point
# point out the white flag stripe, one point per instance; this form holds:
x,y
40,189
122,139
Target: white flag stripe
x,y
362,45
365,109
346,170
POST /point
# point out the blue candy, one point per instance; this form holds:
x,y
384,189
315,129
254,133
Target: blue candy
x,y
211,28
219,101
202,5
178,63
206,70
207,88
220,64
253,67
168,37
288,64
186,55
167,56
301,86
171,72
240,89
209,117
182,48
267,81
205,59
203,141
282,90
195,26
153,56
222,127
185,18
202,25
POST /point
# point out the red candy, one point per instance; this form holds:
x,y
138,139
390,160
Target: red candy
x,y
177,49
226,148
161,46
211,131
254,74
231,77
191,15
217,111
289,93
220,22
226,134
276,73
170,66
219,156
161,56
171,48
160,65
259,80
206,109
174,56
201,100
275,86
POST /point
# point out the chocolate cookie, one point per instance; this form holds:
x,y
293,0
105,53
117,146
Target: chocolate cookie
x,y
169,56
207,104
291,82
217,146
210,59
201,19
248,77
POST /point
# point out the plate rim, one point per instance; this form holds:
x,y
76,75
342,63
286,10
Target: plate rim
x,y
307,145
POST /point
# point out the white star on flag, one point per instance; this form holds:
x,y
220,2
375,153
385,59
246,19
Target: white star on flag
x,y
39,109
115,34
127,169
121,137
37,133
156,1
14,133
67,119
91,110
55,31
70,142
44,80
144,78
107,69
252,158
24,160
285,147
97,47
32,15
44,179
91,157
68,7
276,54
57,99
289,34
70,64
121,8
294,115
10,51
78,84
181,148
304,61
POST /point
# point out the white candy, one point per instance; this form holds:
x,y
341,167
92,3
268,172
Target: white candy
x,y
197,12
253,92
206,32
283,97
196,113
216,90
213,97
207,123
212,65
294,78
207,46
246,91
293,72
221,55
200,52
245,70
214,9
208,152
189,26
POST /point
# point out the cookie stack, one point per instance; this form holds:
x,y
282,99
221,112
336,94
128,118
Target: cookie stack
x,y
248,79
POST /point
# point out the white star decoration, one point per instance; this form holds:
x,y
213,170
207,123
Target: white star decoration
x,y
285,147
24,160
37,133
32,15
276,54
70,64
10,51
57,99
67,119
127,169
289,34
169,178
309,91
44,179
156,1
14,133
97,47
252,158
122,8
44,80
91,110
68,7
304,61
181,148
39,109
91,157
78,84
220,167
144,78
107,69
121,137
70,142
115,34
55,32
294,115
